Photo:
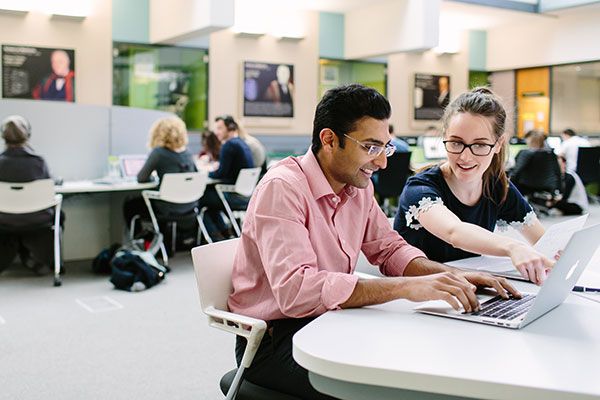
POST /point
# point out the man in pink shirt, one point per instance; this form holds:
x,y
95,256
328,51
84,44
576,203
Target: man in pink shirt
x,y
306,224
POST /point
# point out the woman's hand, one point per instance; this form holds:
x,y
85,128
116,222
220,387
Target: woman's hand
x,y
530,264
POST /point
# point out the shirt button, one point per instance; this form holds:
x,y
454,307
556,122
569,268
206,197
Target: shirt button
x,y
335,199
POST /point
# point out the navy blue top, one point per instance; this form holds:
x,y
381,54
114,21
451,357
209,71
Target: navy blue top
x,y
234,155
430,186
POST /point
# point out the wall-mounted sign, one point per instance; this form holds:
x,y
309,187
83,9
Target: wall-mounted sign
x,y
38,73
431,96
268,90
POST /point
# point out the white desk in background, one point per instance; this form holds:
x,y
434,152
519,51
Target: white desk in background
x,y
91,186
390,352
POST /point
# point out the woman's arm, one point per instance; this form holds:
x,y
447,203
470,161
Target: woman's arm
x,y
444,224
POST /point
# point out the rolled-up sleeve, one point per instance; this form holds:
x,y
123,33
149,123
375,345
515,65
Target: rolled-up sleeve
x,y
300,287
383,246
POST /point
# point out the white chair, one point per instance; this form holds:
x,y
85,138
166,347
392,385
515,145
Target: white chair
x,y
213,264
179,188
24,198
244,186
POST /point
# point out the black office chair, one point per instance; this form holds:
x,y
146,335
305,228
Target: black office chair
x,y
588,166
539,178
390,181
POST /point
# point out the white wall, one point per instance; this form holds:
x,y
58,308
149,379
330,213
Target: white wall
x,y
503,84
91,39
228,51
570,37
401,70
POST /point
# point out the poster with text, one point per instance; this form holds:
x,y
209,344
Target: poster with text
x,y
38,73
431,96
268,90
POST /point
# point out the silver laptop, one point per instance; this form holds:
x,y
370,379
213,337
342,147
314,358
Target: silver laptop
x,y
433,148
517,313
554,239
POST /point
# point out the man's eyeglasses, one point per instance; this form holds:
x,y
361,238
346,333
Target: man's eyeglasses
x,y
374,150
477,149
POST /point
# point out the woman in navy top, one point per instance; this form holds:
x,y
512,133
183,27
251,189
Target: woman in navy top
x,y
450,210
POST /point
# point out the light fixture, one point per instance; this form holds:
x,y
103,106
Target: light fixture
x,y
15,7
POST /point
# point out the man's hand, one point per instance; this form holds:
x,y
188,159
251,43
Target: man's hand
x,y
451,287
483,279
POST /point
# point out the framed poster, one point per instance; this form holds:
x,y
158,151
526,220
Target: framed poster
x,y
38,73
431,96
268,90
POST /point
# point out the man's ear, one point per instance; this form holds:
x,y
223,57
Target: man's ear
x,y
327,138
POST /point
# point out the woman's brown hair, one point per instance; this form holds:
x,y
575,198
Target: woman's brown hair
x,y
482,101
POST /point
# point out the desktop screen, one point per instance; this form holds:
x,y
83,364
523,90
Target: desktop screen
x,y
131,164
433,148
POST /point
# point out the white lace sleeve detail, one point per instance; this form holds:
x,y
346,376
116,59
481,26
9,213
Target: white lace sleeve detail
x,y
413,211
502,225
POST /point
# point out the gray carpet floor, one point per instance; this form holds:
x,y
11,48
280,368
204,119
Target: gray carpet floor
x,y
85,340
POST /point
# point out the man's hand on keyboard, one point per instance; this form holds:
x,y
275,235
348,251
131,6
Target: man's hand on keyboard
x,y
483,279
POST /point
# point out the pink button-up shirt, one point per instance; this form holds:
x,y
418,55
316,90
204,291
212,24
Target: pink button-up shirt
x,y
301,241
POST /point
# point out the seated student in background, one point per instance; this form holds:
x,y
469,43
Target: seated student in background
x,y
526,159
234,156
569,148
306,224
28,235
169,154
259,153
450,210
209,154
401,145
574,197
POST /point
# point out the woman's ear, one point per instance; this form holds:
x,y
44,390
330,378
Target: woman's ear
x,y
500,143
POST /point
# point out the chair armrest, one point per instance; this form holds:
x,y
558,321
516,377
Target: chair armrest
x,y
225,188
252,329
151,194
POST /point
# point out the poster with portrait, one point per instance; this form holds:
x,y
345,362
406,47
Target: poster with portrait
x,y
268,90
38,73
431,96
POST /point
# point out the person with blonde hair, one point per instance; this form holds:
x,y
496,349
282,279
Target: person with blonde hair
x,y
169,154
450,210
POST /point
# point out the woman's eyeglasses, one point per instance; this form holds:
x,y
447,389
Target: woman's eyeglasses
x,y
374,150
477,149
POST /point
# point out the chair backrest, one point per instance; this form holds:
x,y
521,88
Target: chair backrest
x,y
588,164
183,187
247,180
213,264
542,172
22,198
391,180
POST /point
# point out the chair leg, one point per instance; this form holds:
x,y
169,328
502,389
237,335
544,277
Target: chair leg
x,y
163,252
201,225
173,237
132,226
235,385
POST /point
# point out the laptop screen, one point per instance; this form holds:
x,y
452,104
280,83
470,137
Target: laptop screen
x,y
433,148
131,164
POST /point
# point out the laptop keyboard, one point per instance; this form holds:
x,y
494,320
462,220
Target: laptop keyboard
x,y
511,308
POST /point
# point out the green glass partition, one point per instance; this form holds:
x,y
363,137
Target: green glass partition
x,y
339,72
167,78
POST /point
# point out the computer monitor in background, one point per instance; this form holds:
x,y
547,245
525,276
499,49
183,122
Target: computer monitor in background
x,y
433,148
553,142
131,164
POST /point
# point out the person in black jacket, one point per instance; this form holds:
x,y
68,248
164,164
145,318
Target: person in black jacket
x,y
29,235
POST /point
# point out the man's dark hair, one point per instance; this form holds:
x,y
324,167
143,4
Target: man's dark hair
x,y
342,107
570,132
229,122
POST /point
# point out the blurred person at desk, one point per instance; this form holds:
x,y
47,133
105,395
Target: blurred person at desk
x,y
169,154
28,235
569,148
208,158
308,221
450,210
233,156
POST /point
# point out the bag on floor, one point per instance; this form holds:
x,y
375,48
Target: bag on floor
x,y
134,270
